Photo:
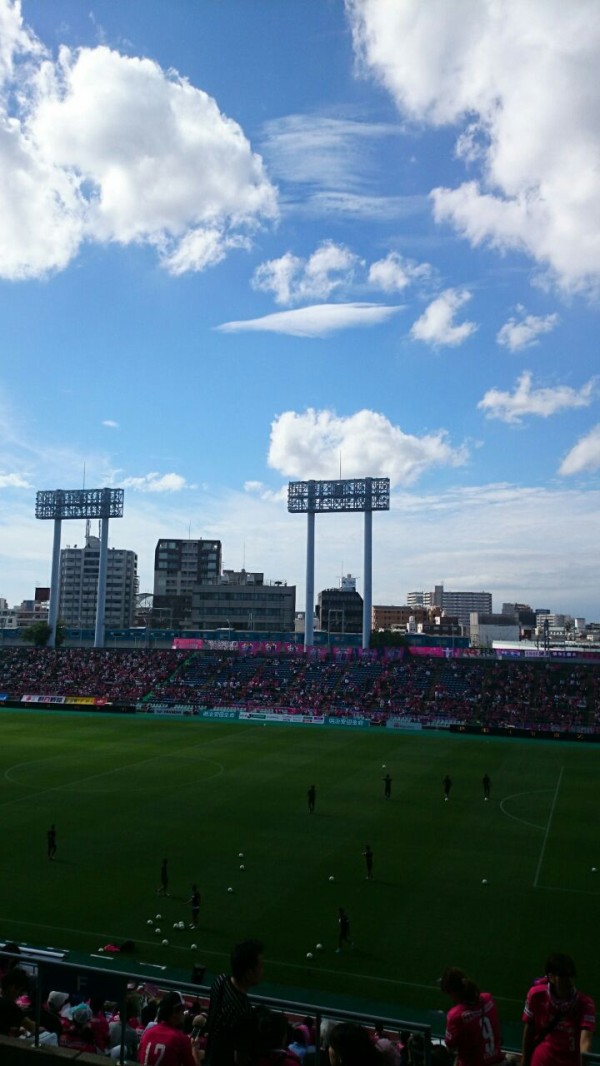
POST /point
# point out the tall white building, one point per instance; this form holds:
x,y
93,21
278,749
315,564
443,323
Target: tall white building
x,y
79,586
457,604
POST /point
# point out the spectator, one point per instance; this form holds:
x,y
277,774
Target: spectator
x,y
15,983
559,1020
272,1038
350,1045
230,1038
79,1035
472,1027
166,1042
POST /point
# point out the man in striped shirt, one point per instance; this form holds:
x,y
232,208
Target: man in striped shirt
x,y
230,1016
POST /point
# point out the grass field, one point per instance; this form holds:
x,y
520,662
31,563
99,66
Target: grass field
x,y
124,793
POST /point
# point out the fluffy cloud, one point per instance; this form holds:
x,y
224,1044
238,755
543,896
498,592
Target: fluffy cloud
x,y
436,324
584,456
110,423
293,280
395,273
13,481
512,407
106,147
154,482
519,80
517,334
309,445
317,321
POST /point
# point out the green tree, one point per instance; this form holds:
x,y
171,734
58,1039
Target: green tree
x,y
387,639
39,634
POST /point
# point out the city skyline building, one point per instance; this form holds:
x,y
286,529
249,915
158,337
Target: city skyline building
x,y
78,590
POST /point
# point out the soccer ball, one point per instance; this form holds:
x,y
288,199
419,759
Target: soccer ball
x,y
100,949
383,766
230,889
194,947
181,925
165,941
175,925
158,917
150,921
593,869
319,947
484,880
242,867
309,954
332,878
240,854
157,931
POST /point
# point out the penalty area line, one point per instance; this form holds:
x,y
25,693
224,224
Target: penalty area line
x,y
548,826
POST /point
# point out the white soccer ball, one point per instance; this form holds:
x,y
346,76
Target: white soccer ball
x,y
100,949
165,941
230,889
175,925
309,954
150,921
484,880
181,925
332,878
242,867
158,917
383,766
240,854
157,931
194,947
593,869
319,947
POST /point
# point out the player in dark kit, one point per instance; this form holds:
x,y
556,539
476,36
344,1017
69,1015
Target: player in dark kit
x,y
195,902
387,787
51,837
312,799
344,931
368,854
447,782
487,786
164,879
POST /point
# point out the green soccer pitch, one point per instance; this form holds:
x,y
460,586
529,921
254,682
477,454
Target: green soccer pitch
x,y
126,793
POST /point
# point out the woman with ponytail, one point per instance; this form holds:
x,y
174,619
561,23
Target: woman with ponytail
x,y
472,1027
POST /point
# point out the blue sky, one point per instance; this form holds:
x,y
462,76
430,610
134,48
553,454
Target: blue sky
x,y
244,242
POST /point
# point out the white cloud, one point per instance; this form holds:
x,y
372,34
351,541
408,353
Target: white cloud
x,y
317,321
107,147
518,334
519,81
584,456
512,407
110,424
309,445
154,482
293,280
436,324
395,273
13,481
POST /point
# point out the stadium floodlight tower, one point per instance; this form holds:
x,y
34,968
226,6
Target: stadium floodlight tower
x,y
79,503
316,497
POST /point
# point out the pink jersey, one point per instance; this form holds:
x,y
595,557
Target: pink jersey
x,y
473,1032
562,1024
162,1045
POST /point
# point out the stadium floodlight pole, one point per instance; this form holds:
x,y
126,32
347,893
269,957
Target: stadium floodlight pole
x,y
58,504
358,494
367,565
309,600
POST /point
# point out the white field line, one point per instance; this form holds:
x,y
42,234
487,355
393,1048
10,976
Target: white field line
x,y
548,826
68,786
515,795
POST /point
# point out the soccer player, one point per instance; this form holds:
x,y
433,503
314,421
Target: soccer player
x,y
195,902
165,1044
447,782
344,931
164,879
312,799
51,838
472,1027
487,786
368,854
559,1020
387,787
